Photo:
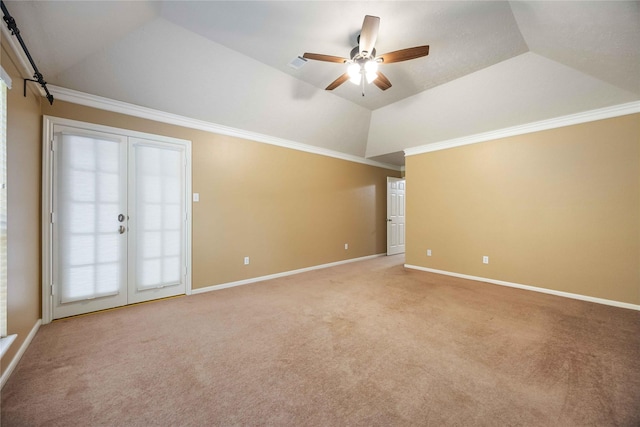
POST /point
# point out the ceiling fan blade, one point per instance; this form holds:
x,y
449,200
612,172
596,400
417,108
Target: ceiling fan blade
x,y
382,81
326,58
337,82
404,54
369,33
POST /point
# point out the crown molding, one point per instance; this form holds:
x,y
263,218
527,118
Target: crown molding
x,y
99,102
558,122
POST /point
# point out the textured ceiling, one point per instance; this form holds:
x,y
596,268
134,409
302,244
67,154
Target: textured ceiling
x,y
463,38
226,62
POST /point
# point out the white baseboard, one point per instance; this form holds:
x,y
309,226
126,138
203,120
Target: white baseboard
x,y
530,288
14,362
276,275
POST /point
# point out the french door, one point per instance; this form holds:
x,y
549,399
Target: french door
x,y
119,221
89,221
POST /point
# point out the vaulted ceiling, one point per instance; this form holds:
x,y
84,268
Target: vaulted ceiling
x,y
491,64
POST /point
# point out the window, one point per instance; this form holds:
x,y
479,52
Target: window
x,y
5,341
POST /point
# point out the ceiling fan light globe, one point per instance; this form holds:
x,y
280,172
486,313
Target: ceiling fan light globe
x,y
371,66
354,73
371,76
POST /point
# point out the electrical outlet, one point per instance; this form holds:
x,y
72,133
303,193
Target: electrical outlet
x,y
246,260
428,252
485,259
346,246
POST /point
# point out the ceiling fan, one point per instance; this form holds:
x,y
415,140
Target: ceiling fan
x,y
363,60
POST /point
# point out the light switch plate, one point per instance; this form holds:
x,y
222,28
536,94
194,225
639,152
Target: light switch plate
x,y
196,197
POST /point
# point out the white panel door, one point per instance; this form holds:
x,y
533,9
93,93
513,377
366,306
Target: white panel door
x,y
158,220
88,221
395,215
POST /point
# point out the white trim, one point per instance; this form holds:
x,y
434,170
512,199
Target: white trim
x,y
283,274
94,101
51,120
14,362
5,77
189,211
45,217
572,119
529,288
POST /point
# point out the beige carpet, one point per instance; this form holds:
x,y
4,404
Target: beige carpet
x,y
366,343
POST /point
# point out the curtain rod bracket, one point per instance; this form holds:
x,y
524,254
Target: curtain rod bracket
x,y
42,83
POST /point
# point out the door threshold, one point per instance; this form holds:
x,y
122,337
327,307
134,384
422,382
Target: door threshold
x,y
119,308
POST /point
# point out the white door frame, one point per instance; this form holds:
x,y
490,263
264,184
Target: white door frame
x,y
47,199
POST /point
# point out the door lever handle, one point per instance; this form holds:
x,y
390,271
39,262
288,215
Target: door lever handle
x,y
121,229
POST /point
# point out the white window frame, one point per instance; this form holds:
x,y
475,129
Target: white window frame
x,y
47,199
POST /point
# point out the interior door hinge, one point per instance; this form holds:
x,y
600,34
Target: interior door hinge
x,y
51,217
53,145
52,288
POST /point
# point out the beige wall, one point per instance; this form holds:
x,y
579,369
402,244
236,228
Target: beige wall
x,y
284,209
558,209
23,214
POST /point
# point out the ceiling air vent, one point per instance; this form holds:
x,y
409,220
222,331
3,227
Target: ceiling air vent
x,y
297,62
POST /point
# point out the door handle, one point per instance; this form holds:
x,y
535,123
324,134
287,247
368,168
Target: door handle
x,y
121,229
389,220
120,218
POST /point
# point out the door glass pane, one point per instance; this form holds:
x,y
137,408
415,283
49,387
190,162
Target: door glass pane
x,y
159,207
89,198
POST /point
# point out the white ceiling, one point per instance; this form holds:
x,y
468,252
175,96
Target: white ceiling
x,y
491,64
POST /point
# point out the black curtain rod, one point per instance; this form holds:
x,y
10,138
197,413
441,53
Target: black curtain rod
x,y
11,23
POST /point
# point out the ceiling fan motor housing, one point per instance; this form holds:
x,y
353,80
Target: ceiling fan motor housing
x,y
357,57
